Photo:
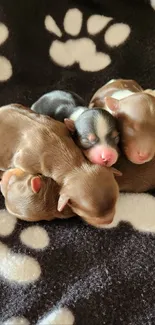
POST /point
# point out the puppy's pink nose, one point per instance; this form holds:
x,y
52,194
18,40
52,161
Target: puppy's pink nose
x,y
143,156
108,159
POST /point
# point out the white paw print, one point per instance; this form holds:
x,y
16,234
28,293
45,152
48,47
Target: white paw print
x,y
83,50
60,316
152,3
5,65
21,269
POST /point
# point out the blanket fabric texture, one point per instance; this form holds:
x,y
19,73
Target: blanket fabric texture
x,y
67,272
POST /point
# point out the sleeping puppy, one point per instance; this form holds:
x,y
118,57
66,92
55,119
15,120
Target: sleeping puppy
x,y
31,197
38,144
94,131
35,198
134,109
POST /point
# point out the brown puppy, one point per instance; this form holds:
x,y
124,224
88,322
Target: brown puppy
x,y
135,112
31,198
136,178
39,144
34,198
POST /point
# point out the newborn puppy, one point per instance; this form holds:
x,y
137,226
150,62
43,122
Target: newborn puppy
x,y
34,198
136,178
31,197
94,130
135,113
38,144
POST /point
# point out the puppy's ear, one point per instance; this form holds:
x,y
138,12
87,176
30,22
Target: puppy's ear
x,y
112,104
91,105
70,124
36,184
116,171
96,103
62,202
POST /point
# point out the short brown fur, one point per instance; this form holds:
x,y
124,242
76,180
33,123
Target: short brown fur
x,y
38,144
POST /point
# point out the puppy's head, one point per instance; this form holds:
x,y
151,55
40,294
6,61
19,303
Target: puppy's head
x,y
96,134
91,192
136,121
29,197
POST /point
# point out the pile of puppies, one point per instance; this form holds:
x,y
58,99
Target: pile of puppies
x,y
57,157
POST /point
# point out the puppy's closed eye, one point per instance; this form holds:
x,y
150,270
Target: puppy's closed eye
x,y
115,136
89,141
130,131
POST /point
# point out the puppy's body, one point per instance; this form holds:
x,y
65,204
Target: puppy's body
x,y
59,105
135,178
117,89
28,204
95,130
134,109
32,201
39,144
28,139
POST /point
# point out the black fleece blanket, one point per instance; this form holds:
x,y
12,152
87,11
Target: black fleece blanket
x,y
67,272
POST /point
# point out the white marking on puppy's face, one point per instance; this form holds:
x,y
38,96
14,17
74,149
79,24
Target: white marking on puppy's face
x,y
76,114
102,128
120,94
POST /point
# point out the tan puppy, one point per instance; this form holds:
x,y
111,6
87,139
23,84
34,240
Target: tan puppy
x,y
136,178
135,112
39,144
34,198
31,198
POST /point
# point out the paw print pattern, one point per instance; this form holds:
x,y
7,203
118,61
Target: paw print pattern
x,y
15,267
58,317
25,269
152,3
5,65
82,50
55,317
22,269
